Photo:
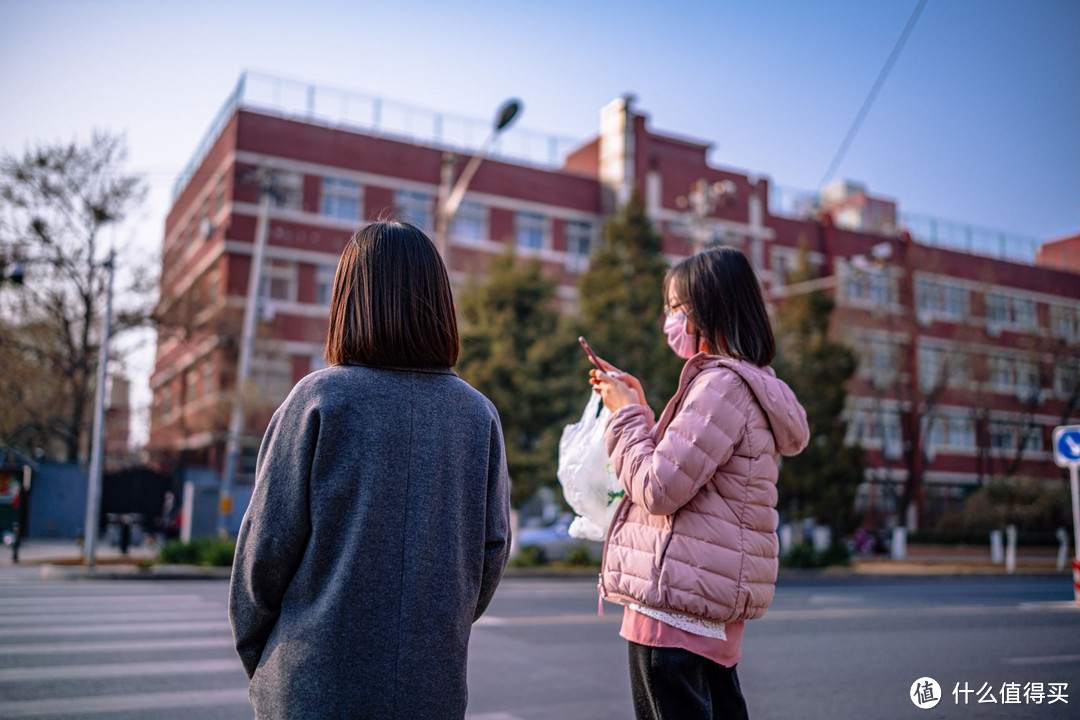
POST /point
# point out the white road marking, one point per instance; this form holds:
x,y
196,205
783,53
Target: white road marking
x,y
166,628
74,648
91,599
120,670
76,618
126,703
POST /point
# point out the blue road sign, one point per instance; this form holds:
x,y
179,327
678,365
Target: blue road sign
x,y
1067,445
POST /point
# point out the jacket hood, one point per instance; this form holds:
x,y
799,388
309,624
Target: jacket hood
x,y
786,415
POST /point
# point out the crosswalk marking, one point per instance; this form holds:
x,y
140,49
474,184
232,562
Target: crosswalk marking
x,y
115,670
117,629
115,646
74,618
126,703
80,600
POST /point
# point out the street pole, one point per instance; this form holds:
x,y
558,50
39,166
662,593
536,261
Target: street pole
x,y
450,193
1074,471
97,442
247,342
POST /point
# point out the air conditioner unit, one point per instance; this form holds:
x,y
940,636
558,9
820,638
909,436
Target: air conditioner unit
x,y
924,318
206,227
893,450
993,330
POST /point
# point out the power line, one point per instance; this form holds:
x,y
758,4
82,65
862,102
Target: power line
x,y
873,94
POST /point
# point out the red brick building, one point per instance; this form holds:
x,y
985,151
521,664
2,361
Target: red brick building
x,y
979,352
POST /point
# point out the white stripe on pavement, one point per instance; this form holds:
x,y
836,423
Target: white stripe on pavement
x,y
117,670
166,628
74,648
124,703
88,599
73,617
1044,660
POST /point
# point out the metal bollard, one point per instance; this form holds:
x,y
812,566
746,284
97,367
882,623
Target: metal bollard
x,y
1010,549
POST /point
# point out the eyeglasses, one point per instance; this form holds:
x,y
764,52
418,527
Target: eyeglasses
x,y
670,310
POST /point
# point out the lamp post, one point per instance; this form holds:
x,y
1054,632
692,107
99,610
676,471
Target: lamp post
x,y
97,442
267,191
450,193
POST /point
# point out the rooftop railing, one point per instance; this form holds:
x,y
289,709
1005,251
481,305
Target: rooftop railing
x,y
928,230
348,110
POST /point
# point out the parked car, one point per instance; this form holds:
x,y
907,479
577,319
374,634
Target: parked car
x,y
554,540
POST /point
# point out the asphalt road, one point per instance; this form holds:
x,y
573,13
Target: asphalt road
x,y
828,648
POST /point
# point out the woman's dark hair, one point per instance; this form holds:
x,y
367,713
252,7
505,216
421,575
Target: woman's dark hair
x,y
724,301
392,304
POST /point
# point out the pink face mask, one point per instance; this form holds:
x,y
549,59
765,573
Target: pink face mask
x,y
678,339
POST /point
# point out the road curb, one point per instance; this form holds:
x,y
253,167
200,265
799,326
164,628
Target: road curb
x,y
133,572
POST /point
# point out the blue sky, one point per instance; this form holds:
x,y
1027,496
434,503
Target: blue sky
x,y
979,121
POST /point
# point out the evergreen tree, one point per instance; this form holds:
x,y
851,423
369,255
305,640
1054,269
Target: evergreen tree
x,y
622,299
517,350
821,481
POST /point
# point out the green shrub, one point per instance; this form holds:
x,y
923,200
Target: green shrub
x,y
580,556
804,556
208,552
529,556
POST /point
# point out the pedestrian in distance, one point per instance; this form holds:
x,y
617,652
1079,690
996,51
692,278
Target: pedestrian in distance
x,y
379,524
692,550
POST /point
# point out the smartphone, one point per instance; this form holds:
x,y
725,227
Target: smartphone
x,y
596,361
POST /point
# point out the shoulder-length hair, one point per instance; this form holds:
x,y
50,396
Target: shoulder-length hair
x,y
392,304
724,301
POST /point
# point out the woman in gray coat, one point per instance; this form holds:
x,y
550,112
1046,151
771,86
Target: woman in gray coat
x,y
379,525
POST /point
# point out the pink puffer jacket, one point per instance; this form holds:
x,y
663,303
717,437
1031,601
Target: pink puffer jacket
x,y
696,532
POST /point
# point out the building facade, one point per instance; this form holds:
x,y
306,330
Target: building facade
x,y
967,359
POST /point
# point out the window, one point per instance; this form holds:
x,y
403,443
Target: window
x,y
578,244
873,288
941,299
324,284
878,359
271,373
278,281
529,230
1006,373
413,207
1065,322
219,196
1004,309
1067,376
288,190
209,376
941,366
1001,436
468,223
952,431
875,428
341,199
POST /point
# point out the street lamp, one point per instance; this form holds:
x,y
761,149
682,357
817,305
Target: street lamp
x,y
450,193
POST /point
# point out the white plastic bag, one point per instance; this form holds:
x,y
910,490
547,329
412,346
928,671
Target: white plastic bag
x,y
585,472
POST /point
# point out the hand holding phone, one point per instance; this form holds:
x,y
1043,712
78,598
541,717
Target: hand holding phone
x,y
596,360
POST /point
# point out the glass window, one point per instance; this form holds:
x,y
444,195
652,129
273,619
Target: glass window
x,y
1024,312
468,223
341,199
578,244
529,230
209,376
272,376
1067,376
288,190
324,284
415,208
278,280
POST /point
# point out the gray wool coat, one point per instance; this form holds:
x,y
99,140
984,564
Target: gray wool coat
x,y
376,535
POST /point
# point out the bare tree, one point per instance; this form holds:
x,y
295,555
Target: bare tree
x,y
55,202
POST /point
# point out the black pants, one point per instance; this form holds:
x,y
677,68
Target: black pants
x,y
676,684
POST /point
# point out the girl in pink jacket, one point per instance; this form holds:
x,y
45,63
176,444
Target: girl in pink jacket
x,y
692,550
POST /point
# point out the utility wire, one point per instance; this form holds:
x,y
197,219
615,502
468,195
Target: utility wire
x,y
873,94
